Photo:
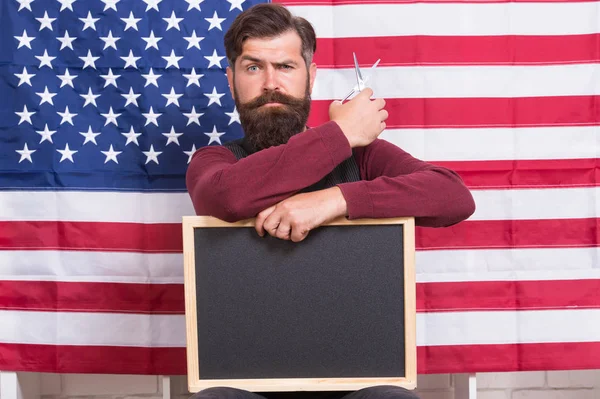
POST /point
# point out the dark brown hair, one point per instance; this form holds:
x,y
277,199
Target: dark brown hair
x,y
268,20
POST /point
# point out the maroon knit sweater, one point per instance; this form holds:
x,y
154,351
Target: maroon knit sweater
x,y
394,184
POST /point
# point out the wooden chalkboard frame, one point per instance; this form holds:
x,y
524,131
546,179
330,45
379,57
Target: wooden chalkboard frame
x,y
195,384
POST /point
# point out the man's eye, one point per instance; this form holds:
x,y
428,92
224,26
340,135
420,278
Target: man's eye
x,y
252,68
286,67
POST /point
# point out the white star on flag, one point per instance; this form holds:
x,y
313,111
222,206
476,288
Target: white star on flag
x,y
151,78
234,116
110,41
193,117
172,97
214,59
152,4
46,96
110,4
45,59
193,41
130,60
66,41
214,97
25,154
173,21
190,153
88,60
111,117
110,78
90,136
172,137
193,78
67,153
46,134
25,40
151,41
66,79
236,4
89,22
131,97
132,136
215,21
64,4
151,117
152,155
214,136
24,77
90,98
25,115
131,21
66,116
194,4
45,21
111,155
172,60
24,4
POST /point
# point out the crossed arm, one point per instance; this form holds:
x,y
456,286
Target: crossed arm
x,y
265,185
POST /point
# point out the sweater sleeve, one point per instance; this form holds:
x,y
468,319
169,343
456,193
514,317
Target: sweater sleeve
x,y
221,186
395,184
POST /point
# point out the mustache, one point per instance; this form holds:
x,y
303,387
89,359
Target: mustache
x,y
273,97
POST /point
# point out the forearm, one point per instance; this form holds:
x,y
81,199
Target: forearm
x,y
232,190
435,197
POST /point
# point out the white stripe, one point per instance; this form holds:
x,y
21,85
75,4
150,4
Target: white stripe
x,y
65,328
93,206
452,328
431,266
547,203
507,264
523,327
497,143
455,19
463,81
121,267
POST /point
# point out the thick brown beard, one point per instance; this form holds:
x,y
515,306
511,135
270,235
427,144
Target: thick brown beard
x,y
271,126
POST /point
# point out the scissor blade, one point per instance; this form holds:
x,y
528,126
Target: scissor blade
x,y
359,77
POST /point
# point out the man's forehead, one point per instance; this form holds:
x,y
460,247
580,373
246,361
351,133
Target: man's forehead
x,y
287,45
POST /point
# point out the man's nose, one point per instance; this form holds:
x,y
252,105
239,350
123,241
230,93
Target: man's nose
x,y
271,80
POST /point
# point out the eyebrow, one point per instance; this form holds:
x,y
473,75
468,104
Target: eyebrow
x,y
259,61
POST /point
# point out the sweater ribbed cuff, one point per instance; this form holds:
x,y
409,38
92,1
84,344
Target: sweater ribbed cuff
x,y
358,200
335,142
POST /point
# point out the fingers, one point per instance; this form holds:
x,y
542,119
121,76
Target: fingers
x,y
260,220
299,234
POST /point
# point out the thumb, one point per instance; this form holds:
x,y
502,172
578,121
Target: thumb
x,y
367,92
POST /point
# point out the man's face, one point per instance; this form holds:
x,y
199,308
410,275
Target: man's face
x,y
271,87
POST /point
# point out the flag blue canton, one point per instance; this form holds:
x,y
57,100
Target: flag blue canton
x,y
112,94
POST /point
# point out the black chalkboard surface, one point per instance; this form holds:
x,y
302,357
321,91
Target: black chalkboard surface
x,y
333,312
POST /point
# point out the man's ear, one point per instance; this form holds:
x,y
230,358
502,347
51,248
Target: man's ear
x,y
229,72
312,74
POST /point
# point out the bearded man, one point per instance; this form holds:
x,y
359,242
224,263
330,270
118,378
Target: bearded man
x,y
293,178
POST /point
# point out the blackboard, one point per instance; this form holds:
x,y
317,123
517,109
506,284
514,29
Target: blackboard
x,y
333,312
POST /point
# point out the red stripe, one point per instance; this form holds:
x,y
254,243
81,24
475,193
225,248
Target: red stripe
x,y
508,295
172,361
92,359
511,234
169,298
458,50
92,297
481,112
527,173
166,238
515,357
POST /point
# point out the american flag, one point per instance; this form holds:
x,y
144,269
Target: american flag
x,y
104,102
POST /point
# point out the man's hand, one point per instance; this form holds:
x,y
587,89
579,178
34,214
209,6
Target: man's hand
x,y
293,218
361,119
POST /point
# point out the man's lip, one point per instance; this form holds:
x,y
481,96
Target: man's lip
x,y
272,104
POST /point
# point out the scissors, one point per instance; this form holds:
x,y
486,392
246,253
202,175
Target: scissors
x,y
360,81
